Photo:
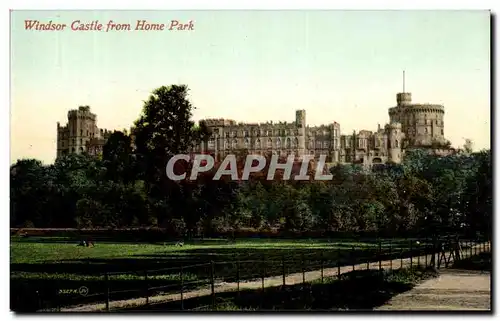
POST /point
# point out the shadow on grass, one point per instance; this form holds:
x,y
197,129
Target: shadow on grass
x,y
479,262
357,290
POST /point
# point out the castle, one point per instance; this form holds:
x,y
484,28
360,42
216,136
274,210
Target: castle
x,y
410,126
81,134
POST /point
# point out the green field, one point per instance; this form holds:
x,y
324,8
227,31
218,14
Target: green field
x,y
48,265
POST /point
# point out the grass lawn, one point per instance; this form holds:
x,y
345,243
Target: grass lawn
x,y
48,265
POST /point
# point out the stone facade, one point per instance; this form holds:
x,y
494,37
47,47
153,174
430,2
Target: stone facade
x,y
410,126
81,134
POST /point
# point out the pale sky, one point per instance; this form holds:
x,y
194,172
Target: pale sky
x,y
252,66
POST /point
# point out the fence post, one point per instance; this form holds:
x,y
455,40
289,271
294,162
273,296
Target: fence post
x,y
351,256
380,255
106,280
411,254
390,254
401,258
283,269
425,251
303,270
212,282
263,272
146,289
238,276
58,297
338,263
322,266
182,288
419,251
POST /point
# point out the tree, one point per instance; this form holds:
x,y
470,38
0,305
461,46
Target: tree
x,y
468,146
164,129
118,157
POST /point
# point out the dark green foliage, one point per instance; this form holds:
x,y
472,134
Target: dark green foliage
x,y
128,187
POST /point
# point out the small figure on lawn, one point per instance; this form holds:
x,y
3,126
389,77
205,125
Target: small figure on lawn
x,y
180,243
82,243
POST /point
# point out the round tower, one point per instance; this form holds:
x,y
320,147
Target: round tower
x,y
422,124
403,99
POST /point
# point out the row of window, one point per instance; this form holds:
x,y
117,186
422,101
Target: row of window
x,y
289,143
293,143
426,121
73,141
275,132
426,131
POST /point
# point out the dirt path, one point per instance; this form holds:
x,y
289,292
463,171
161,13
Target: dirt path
x,y
452,290
296,278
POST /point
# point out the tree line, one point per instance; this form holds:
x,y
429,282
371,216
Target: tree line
x,y
127,187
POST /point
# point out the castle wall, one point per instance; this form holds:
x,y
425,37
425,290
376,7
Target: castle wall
x,y
411,125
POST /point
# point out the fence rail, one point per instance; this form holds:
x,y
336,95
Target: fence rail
x,y
267,273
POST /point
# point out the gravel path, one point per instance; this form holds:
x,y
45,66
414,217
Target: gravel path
x,y
290,279
452,290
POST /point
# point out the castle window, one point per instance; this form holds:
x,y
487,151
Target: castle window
x,y
226,144
295,142
235,144
442,131
318,144
246,133
288,143
311,152
396,145
73,149
257,143
74,143
227,134
211,144
426,130
311,144
278,143
247,143
269,143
